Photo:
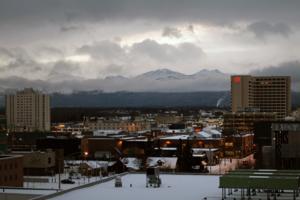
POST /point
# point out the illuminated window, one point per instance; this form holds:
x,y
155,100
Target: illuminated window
x,y
228,144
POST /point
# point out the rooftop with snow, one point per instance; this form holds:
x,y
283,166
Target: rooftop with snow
x,y
175,187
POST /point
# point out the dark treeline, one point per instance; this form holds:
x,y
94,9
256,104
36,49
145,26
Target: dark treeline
x,y
141,99
72,107
68,114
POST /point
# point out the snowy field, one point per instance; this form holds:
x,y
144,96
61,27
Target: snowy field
x,y
175,187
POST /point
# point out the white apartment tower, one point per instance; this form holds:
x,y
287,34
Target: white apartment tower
x,y
28,111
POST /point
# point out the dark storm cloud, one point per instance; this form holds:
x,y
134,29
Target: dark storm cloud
x,y
61,71
263,29
70,28
213,80
171,32
49,33
168,54
291,69
104,58
190,28
17,59
48,52
145,53
214,11
103,50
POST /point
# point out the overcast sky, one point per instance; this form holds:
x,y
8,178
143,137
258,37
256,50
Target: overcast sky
x,y
89,39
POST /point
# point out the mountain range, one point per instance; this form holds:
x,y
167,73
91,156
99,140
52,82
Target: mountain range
x,y
158,88
162,80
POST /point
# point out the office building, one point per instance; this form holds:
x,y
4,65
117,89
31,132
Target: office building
x,y
28,111
41,163
243,122
130,126
11,170
266,93
277,144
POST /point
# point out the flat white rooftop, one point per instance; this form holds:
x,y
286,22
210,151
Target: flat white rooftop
x,y
175,187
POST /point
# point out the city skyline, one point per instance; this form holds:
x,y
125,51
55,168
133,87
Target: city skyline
x,y
152,99
55,41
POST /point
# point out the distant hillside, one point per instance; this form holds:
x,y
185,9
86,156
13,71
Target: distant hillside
x,y
141,99
146,99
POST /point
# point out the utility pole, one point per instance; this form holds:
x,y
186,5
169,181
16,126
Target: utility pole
x,y
59,163
209,159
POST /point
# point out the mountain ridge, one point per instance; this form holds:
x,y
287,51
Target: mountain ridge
x,y
161,80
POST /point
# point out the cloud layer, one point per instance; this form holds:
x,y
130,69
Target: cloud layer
x,y
291,69
163,80
75,41
98,60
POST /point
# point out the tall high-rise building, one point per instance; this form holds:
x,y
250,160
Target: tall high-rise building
x,y
266,93
28,111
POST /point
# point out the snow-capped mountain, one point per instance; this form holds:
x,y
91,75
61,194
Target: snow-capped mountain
x,y
161,80
208,72
166,74
162,74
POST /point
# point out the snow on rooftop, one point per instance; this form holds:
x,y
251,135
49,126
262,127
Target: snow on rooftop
x,y
166,162
101,132
175,187
204,134
215,132
175,130
91,163
176,137
197,150
139,140
132,163
166,148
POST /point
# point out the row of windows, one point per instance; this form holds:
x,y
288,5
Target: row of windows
x,y
10,177
269,86
10,166
269,100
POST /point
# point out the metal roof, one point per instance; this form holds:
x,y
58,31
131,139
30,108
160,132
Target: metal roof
x,y
261,179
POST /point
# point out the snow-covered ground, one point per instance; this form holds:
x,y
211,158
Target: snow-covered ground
x,y
38,188
53,182
175,187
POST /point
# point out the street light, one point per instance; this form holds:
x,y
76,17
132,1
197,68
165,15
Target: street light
x,y
209,159
59,183
86,154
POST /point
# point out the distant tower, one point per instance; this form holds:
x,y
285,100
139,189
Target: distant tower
x,y
265,93
240,92
28,111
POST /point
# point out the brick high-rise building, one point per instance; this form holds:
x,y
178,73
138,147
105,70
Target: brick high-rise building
x,y
28,111
266,93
